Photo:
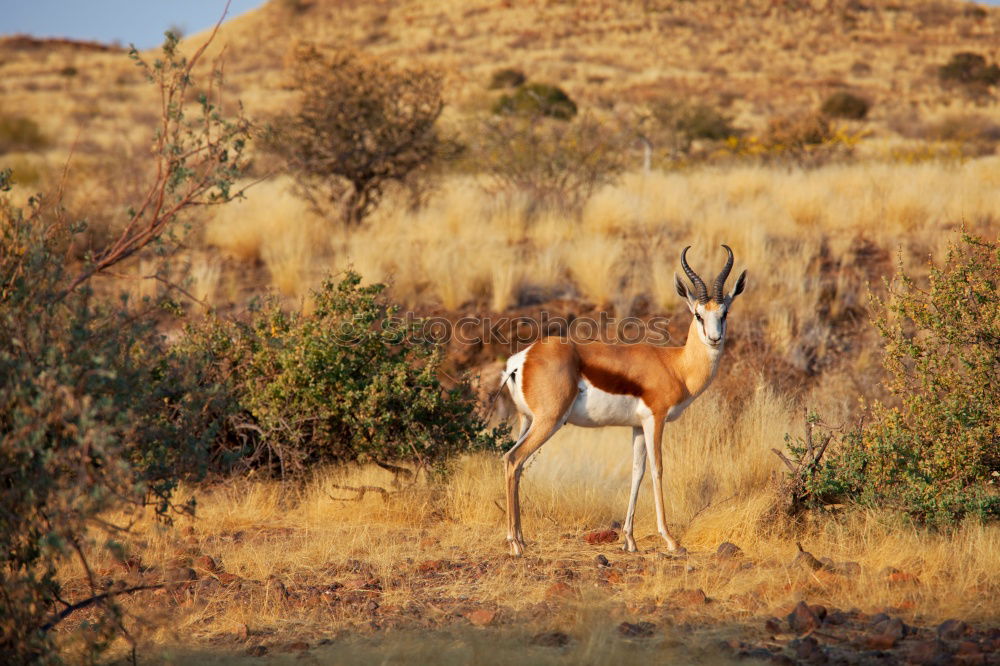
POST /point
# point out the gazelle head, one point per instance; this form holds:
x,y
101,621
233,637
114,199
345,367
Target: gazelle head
x,y
710,309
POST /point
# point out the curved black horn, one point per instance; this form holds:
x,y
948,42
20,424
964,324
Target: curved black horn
x,y
720,282
699,286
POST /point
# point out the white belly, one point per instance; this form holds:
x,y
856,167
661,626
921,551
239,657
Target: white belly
x,y
594,408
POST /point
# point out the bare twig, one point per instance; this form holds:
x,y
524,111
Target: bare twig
x,y
361,492
66,612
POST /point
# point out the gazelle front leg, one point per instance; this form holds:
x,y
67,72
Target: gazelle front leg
x,y
653,430
638,470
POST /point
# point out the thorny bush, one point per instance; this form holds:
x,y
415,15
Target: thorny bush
x,y
935,456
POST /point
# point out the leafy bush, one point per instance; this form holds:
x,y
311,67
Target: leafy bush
x,y
683,123
361,124
936,456
843,104
970,71
556,164
351,382
20,133
507,78
969,68
94,415
537,99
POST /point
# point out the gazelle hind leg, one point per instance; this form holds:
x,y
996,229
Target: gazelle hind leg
x,y
541,431
653,431
638,470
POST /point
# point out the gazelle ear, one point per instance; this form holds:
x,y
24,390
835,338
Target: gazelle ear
x,y
741,283
683,292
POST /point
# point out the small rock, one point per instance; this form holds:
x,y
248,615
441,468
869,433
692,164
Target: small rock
x,y
951,630
928,652
601,537
807,649
616,525
602,561
228,578
180,575
558,590
206,563
819,611
727,550
755,653
877,619
481,617
895,628
836,617
782,659
773,626
903,578
968,649
636,630
802,619
297,646
554,639
431,566
612,577
689,598
257,651
879,642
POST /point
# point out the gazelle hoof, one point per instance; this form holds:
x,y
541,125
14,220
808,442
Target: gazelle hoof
x,y
629,545
516,548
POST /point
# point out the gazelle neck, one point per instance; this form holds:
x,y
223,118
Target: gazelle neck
x,y
700,360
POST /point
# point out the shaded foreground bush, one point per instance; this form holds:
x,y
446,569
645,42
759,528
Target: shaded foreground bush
x,y
95,414
351,382
935,457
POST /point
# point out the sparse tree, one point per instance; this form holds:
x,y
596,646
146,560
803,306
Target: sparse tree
x,y
557,164
361,124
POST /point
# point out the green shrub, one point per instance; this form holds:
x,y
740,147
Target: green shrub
x,y
683,123
94,415
935,456
537,99
970,71
351,382
843,104
20,133
507,78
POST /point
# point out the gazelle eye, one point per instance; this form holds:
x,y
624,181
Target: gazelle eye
x,y
698,316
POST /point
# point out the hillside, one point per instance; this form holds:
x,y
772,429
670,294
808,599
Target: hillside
x,y
753,58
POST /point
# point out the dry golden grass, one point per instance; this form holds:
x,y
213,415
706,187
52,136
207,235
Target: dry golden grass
x,y
811,239
437,552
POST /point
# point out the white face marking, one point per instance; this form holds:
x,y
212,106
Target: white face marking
x,y
711,323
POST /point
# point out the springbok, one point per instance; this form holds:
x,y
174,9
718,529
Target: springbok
x,y
555,381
